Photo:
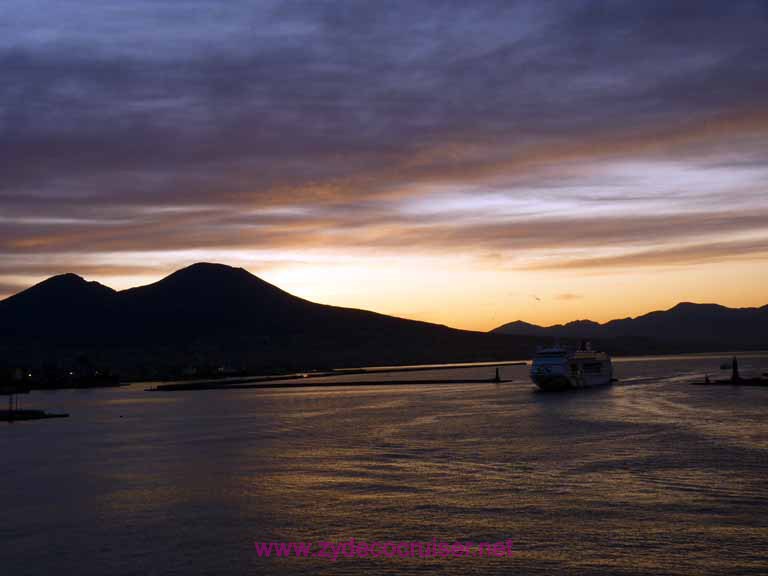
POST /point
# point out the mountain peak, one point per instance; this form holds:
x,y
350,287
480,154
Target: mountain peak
x,y
65,286
522,323
210,268
683,305
210,271
582,324
63,279
517,327
64,306
693,306
216,284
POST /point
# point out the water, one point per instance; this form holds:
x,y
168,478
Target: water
x,y
650,476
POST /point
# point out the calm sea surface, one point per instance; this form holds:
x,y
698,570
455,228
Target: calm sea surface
x,y
649,476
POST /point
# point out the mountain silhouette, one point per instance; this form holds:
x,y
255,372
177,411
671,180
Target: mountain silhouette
x,y
216,315
64,307
688,326
212,315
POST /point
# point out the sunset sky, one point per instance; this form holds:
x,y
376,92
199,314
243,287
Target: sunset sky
x,y
466,163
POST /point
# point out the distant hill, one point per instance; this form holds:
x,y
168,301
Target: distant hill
x,y
684,327
214,315
211,316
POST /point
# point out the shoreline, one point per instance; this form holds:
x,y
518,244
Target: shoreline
x,y
184,387
273,379
26,415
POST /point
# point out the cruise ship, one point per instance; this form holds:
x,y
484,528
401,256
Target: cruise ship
x,y
558,368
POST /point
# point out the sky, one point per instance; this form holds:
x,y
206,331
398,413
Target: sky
x,y
465,163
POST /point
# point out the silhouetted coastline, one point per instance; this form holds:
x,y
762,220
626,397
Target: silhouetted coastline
x,y
210,321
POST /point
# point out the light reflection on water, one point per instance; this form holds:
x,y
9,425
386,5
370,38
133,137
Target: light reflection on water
x,y
650,476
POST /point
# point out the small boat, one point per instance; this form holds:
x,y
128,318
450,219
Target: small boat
x,y
559,368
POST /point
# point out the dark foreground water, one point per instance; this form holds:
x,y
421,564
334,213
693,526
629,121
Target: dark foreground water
x,y
650,476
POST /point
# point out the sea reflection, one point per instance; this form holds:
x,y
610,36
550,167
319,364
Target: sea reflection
x,y
648,476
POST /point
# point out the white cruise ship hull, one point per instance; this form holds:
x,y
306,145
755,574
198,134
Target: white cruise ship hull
x,y
557,369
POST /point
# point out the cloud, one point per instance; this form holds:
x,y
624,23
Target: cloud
x,y
684,255
312,92
316,125
568,296
10,288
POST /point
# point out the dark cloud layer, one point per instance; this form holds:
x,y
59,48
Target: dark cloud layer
x,y
171,124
